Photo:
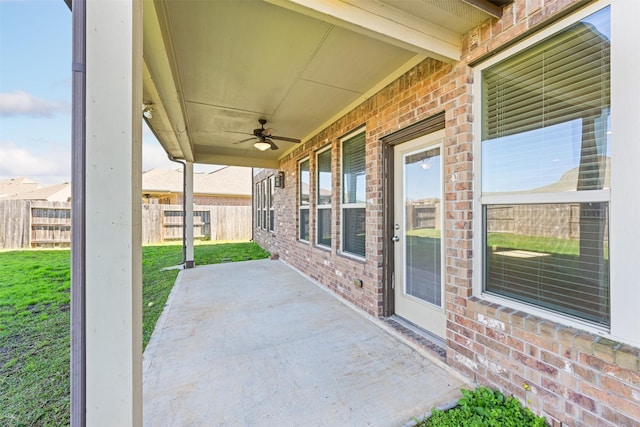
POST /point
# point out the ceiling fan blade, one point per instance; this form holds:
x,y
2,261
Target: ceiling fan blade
x,y
268,132
241,133
244,140
273,144
284,138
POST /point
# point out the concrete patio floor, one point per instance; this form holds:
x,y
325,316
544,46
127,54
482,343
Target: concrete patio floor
x,y
258,344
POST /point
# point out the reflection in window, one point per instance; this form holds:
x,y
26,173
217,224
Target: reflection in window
x,y
546,130
353,195
323,198
422,225
258,198
303,180
264,203
558,261
550,159
545,123
271,191
353,172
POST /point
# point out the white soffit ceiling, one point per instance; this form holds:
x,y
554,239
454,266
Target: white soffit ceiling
x,y
219,66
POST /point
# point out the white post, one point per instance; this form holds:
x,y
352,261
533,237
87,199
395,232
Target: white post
x,y
188,203
113,213
625,151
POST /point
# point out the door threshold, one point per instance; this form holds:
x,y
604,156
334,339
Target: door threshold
x,y
425,339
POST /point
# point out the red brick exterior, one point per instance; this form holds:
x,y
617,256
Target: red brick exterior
x,y
574,377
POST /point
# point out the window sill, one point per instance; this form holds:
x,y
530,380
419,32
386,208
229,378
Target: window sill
x,y
526,310
323,248
353,257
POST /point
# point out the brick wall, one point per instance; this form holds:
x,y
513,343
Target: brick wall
x,y
572,377
415,96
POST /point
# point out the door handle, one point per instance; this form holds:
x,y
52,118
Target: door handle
x,y
395,238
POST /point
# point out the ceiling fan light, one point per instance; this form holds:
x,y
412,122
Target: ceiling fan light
x,y
262,145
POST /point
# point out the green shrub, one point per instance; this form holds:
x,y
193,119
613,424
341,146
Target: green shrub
x,y
484,407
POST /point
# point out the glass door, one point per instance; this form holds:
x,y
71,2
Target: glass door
x,y
418,223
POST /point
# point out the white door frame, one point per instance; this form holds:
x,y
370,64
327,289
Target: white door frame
x,y
422,313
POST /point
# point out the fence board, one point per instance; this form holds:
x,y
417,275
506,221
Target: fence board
x,y
231,222
14,224
50,224
152,223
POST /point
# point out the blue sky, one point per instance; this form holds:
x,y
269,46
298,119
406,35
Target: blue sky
x,y
35,94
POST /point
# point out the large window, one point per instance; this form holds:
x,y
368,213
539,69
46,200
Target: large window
x,y
353,195
258,199
263,203
303,194
323,198
545,172
271,186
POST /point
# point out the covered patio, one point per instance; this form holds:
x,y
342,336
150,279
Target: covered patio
x,y
257,343
276,85
233,83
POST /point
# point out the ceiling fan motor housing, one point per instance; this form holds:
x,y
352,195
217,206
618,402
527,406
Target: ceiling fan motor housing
x,y
262,134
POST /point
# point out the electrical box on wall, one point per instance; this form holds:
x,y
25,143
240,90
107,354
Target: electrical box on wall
x,y
279,180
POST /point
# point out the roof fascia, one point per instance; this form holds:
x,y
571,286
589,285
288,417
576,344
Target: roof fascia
x,y
161,90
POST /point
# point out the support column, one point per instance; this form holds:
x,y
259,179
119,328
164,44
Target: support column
x,y
625,152
113,213
188,203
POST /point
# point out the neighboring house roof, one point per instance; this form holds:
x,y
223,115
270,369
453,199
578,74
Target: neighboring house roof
x,y
51,193
9,188
228,181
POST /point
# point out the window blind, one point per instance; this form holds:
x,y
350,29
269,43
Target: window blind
x,y
303,217
323,198
545,129
545,114
304,183
552,255
353,195
563,78
323,232
271,211
353,167
324,178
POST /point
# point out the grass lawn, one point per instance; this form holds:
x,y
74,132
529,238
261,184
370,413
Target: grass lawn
x,y
35,319
551,245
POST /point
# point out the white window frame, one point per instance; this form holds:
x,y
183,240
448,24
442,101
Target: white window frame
x,y
302,207
270,190
258,198
318,206
343,205
623,207
263,202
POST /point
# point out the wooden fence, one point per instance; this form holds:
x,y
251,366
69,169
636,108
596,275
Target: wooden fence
x,y
164,223
31,224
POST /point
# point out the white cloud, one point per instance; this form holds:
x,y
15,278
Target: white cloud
x,y
50,167
154,156
48,162
20,103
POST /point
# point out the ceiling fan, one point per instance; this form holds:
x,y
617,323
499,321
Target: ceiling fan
x,y
265,137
